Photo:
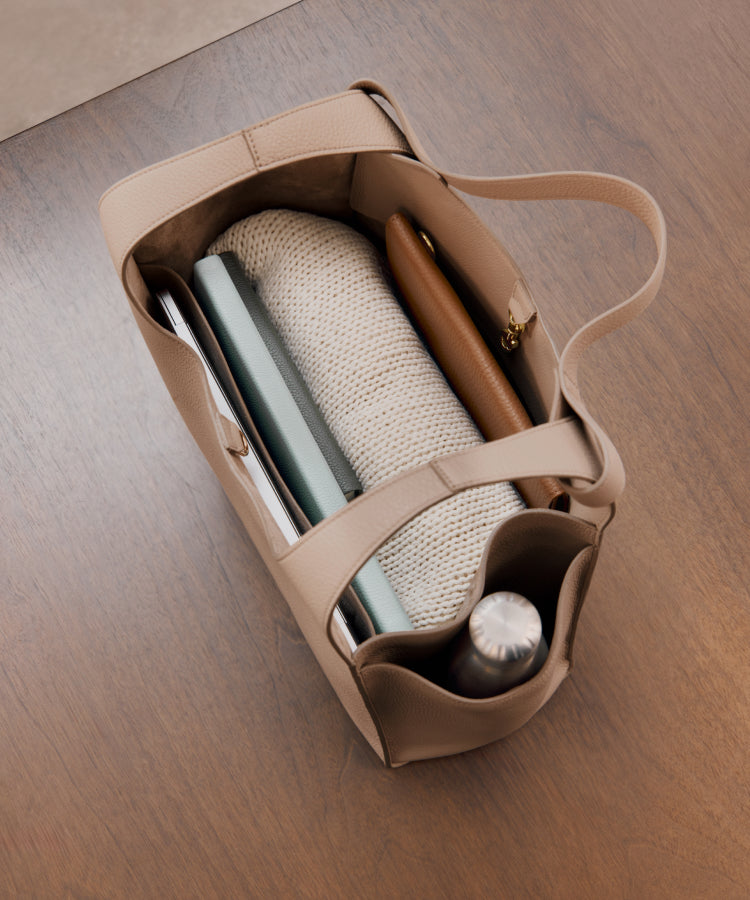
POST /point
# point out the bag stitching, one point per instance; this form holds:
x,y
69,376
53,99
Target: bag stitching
x,y
313,105
243,131
250,141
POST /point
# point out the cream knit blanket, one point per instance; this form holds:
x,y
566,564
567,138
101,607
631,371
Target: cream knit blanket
x,y
385,401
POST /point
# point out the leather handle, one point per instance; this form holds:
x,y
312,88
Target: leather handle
x,y
595,186
350,122
325,559
614,191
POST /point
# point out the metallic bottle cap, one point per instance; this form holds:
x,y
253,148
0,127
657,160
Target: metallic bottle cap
x,y
505,628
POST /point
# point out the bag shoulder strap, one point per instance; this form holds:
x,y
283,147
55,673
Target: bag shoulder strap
x,y
351,122
594,186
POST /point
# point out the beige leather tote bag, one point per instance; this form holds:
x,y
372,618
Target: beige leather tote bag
x,y
344,157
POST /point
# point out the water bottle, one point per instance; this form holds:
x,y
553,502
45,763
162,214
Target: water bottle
x,y
501,647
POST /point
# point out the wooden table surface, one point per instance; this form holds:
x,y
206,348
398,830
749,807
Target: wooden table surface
x,y
164,730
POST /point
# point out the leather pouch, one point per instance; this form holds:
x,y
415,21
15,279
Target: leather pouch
x,y
460,349
344,157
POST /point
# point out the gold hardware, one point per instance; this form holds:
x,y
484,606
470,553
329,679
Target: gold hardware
x,y
509,339
245,447
425,238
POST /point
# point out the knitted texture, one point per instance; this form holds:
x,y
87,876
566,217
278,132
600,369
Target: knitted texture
x,y
383,397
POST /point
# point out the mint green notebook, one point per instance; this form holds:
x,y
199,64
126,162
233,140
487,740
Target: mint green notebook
x,y
338,463
283,428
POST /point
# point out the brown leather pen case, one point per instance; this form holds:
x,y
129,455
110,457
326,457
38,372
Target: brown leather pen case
x,y
460,350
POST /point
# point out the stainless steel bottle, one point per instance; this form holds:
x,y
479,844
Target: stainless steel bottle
x,y
502,646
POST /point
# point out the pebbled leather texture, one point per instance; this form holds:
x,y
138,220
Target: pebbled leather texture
x,y
349,155
345,123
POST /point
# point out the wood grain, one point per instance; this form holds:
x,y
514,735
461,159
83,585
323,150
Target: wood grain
x,y
165,731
